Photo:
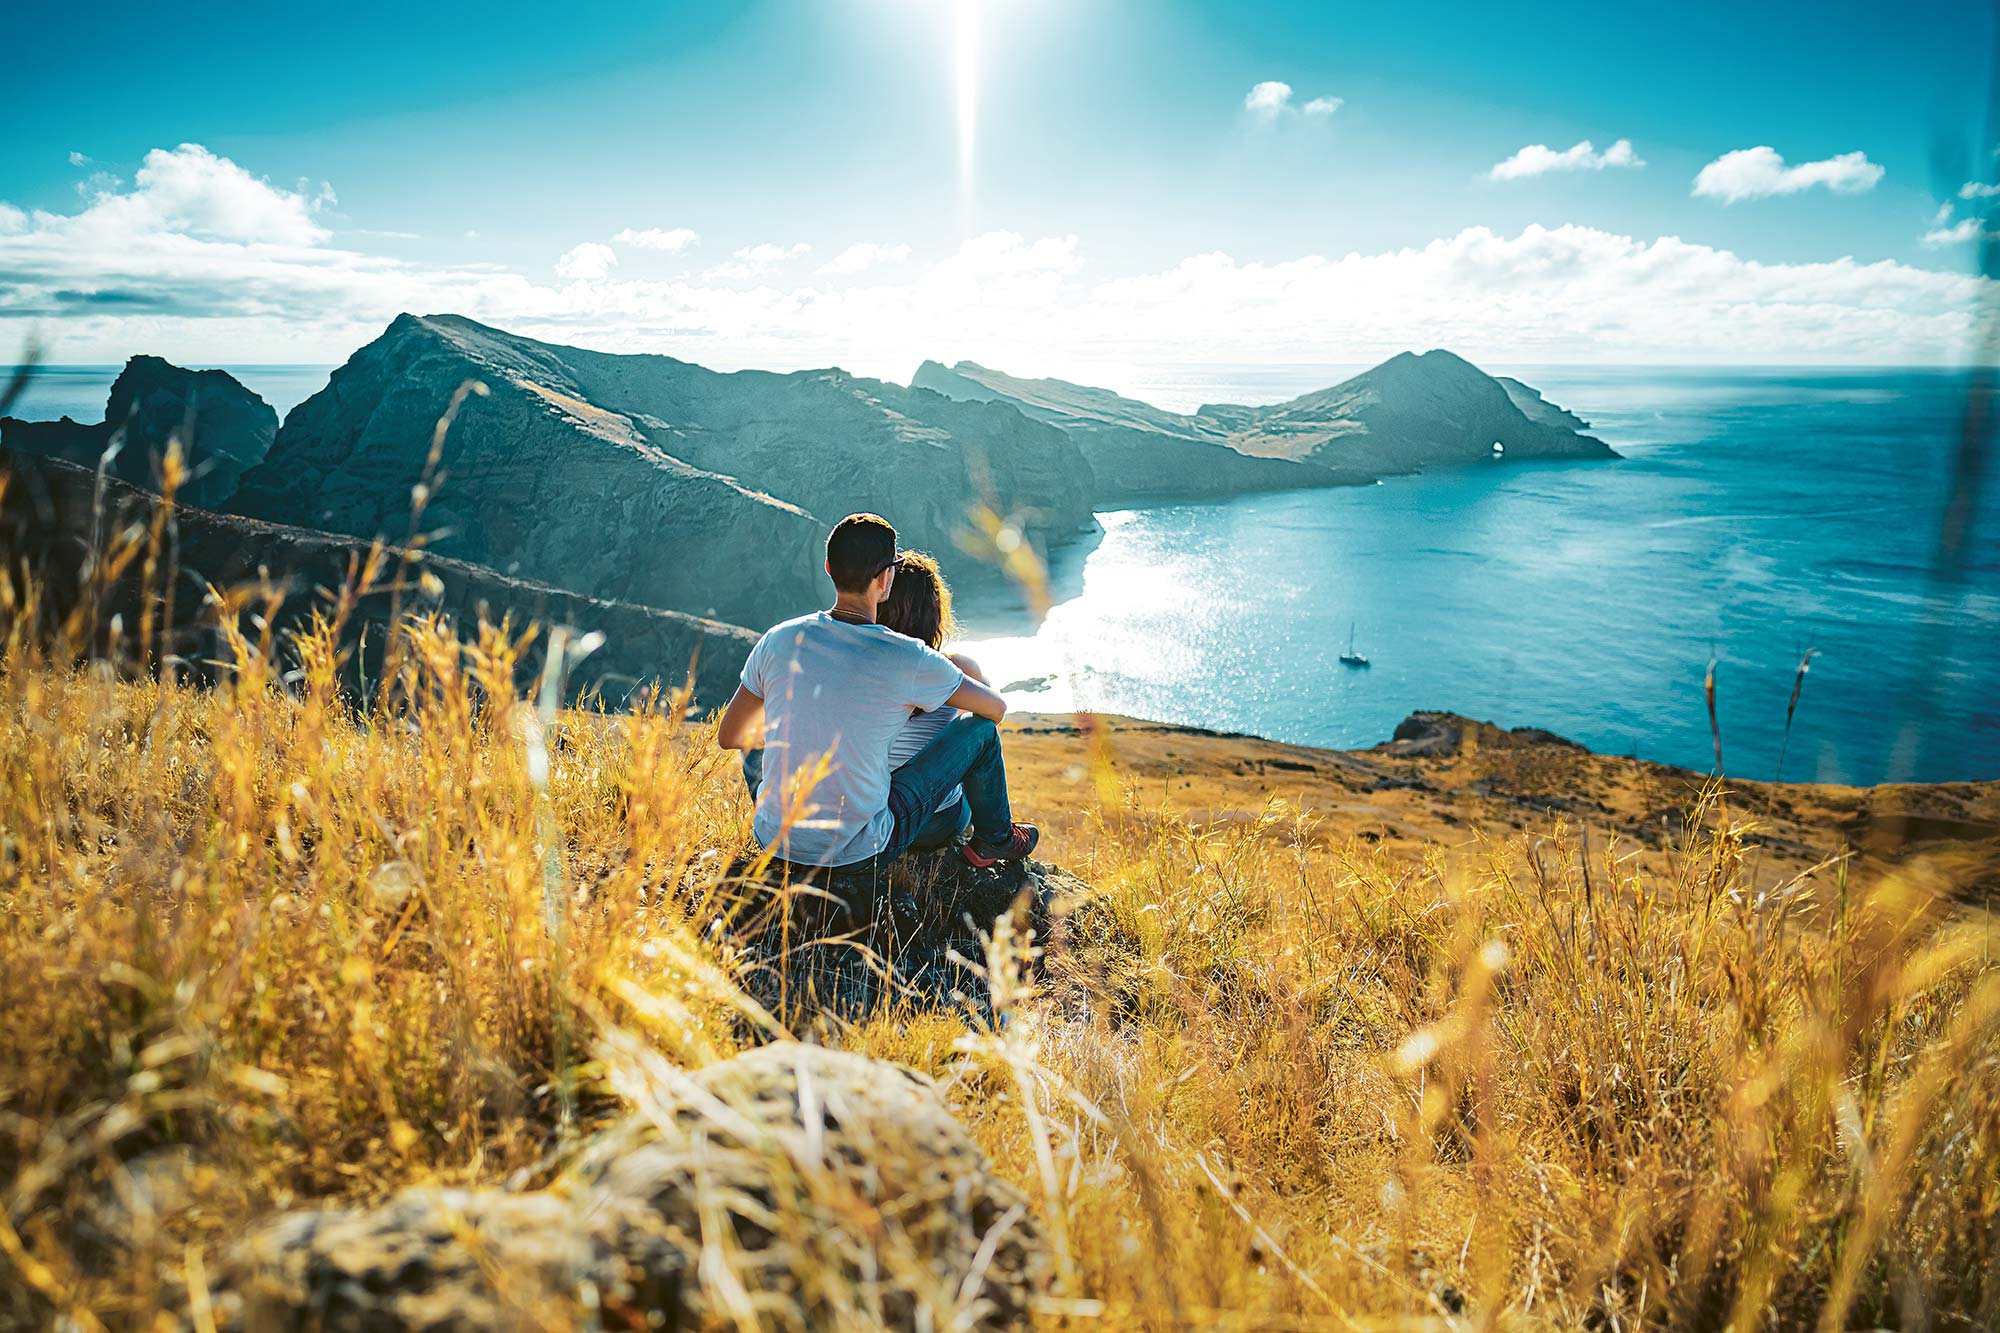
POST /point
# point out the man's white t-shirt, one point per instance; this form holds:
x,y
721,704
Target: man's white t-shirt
x,y
845,691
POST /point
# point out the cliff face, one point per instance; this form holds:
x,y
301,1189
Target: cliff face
x,y
46,522
224,429
535,480
1408,414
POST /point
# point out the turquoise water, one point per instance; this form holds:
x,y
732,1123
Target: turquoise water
x,y
1756,514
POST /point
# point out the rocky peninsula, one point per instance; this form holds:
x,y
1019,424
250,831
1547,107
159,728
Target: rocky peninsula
x,y
1410,414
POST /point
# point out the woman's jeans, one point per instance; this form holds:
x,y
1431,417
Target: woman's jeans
x,y
965,753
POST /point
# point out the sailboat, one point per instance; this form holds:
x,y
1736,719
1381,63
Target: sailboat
x,y
1350,657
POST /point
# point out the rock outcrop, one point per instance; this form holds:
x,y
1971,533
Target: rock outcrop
x,y
915,934
1409,414
49,518
1434,735
796,1186
223,427
647,479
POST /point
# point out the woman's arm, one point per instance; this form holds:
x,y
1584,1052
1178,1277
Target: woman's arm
x,y
975,696
968,666
742,724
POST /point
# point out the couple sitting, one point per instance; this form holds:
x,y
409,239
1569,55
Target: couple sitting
x,y
861,739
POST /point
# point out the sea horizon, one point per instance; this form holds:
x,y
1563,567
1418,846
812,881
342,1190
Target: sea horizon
x,y
78,389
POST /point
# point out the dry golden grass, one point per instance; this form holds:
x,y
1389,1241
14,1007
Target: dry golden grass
x,y
295,947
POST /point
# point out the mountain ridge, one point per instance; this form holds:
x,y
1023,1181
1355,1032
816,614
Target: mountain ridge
x,y
1411,413
649,479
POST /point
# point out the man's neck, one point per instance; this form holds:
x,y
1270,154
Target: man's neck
x,y
853,608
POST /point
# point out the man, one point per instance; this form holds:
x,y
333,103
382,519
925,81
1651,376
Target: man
x,y
825,695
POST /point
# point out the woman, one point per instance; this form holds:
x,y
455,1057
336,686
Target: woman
x,y
919,605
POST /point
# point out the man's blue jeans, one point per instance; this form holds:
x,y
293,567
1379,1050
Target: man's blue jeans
x,y
966,752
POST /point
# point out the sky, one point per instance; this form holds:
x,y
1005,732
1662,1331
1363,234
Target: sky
x,y
1098,189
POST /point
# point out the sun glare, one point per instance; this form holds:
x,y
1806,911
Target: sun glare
x,y
965,21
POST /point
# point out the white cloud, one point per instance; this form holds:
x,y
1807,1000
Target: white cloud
x,y
77,159
1978,190
587,262
865,254
12,219
753,261
191,192
1538,159
1965,229
1757,173
1039,305
1268,99
654,238
1272,99
1943,214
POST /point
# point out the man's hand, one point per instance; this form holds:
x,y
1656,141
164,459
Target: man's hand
x,y
742,724
975,696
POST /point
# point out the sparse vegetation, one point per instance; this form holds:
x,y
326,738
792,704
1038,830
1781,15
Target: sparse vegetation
x,y
265,944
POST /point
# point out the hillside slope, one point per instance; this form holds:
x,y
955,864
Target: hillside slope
x,y
48,515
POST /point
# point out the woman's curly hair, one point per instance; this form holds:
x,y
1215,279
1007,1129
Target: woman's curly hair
x,y
919,601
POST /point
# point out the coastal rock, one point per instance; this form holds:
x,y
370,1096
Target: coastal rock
x,y
1435,735
48,515
813,1187
647,479
224,429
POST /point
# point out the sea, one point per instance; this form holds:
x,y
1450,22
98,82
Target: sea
x,y
1757,518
